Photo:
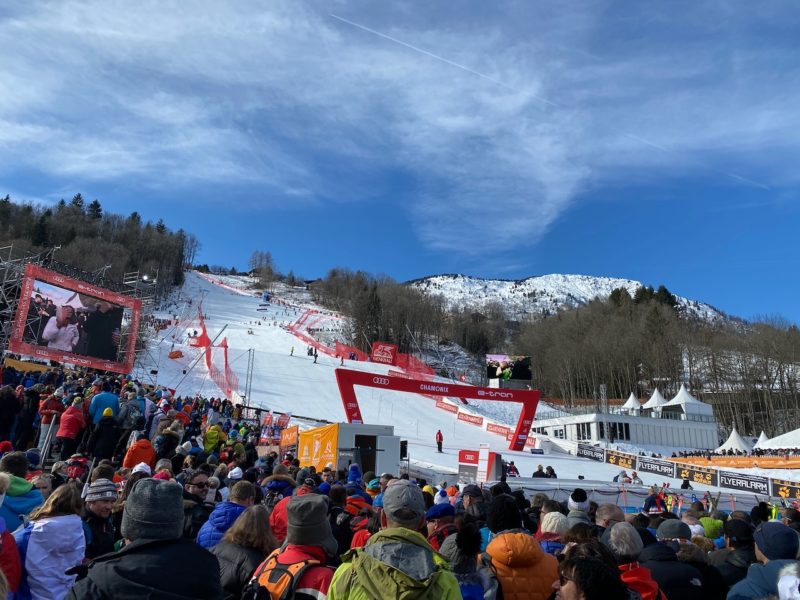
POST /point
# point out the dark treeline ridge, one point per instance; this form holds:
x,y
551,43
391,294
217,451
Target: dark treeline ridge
x,y
90,239
383,309
749,372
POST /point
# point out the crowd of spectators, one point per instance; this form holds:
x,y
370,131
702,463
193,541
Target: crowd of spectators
x,y
164,497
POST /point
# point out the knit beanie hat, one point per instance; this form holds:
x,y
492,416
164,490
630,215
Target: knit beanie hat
x,y
102,489
280,469
554,522
236,474
461,548
184,448
33,457
776,541
503,514
354,474
308,523
441,498
153,511
578,500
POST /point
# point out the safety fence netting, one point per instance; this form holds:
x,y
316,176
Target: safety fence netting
x,y
223,376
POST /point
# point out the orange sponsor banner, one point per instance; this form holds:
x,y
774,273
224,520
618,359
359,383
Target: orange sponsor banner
x,y
289,436
319,446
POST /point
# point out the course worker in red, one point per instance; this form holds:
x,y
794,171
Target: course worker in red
x,y
439,440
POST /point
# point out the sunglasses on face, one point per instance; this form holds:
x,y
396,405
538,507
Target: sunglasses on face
x,y
201,486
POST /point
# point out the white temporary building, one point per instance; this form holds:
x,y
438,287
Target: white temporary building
x,y
656,400
735,442
790,439
632,406
761,439
687,404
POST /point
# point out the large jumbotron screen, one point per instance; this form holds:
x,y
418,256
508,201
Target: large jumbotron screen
x,y
70,321
502,366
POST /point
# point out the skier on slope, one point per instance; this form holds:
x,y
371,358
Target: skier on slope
x,y
291,352
439,440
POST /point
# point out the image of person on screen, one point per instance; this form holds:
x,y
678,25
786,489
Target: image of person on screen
x,y
102,327
61,331
37,317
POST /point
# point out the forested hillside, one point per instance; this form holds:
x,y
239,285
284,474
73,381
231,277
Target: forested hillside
x,y
95,241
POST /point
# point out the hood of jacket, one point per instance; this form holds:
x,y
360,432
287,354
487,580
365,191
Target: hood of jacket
x,y
142,444
515,548
398,563
60,535
279,482
658,552
761,580
19,486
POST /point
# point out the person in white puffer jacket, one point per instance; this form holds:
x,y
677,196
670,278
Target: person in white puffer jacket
x,y
50,543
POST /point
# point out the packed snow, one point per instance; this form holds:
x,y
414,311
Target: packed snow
x,y
294,383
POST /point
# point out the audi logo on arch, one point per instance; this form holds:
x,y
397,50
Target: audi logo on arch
x,y
380,380
352,405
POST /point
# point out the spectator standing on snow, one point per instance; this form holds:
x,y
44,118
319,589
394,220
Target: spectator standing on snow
x,y
439,440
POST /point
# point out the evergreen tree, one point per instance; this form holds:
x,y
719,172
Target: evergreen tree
x,y
77,202
39,232
94,210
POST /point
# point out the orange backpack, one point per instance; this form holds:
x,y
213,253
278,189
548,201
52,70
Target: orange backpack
x,y
276,581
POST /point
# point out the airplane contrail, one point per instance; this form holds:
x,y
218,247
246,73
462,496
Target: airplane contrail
x,y
543,100
436,57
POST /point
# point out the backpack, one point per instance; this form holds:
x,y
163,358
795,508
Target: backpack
x,y
134,416
272,498
275,581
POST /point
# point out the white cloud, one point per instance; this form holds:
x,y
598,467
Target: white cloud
x,y
285,98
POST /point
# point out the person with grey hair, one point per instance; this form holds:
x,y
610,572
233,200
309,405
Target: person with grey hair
x,y
156,562
675,578
625,544
397,562
607,515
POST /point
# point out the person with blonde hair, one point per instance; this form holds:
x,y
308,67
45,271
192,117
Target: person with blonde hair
x,y
51,542
243,547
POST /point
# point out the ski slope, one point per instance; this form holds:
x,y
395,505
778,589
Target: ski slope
x,y
295,384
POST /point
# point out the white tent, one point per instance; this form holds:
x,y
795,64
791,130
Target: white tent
x,y
735,442
656,400
632,405
688,403
761,439
787,440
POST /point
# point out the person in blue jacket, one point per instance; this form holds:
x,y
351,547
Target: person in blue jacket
x,y
21,497
223,516
776,549
105,399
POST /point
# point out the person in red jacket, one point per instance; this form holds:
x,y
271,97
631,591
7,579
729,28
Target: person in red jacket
x,y
141,451
439,440
69,429
626,544
308,538
278,519
49,408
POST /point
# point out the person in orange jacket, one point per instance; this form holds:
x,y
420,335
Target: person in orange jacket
x,y
141,451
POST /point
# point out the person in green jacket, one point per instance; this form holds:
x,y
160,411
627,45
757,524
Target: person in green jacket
x,y
397,562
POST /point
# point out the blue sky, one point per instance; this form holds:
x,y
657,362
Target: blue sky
x,y
509,139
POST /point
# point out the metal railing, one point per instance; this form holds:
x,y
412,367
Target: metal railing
x,y
48,439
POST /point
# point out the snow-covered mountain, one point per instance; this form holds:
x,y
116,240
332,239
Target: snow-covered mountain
x,y
541,296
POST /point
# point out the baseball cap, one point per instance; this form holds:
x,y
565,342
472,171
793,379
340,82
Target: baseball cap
x,y
403,501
